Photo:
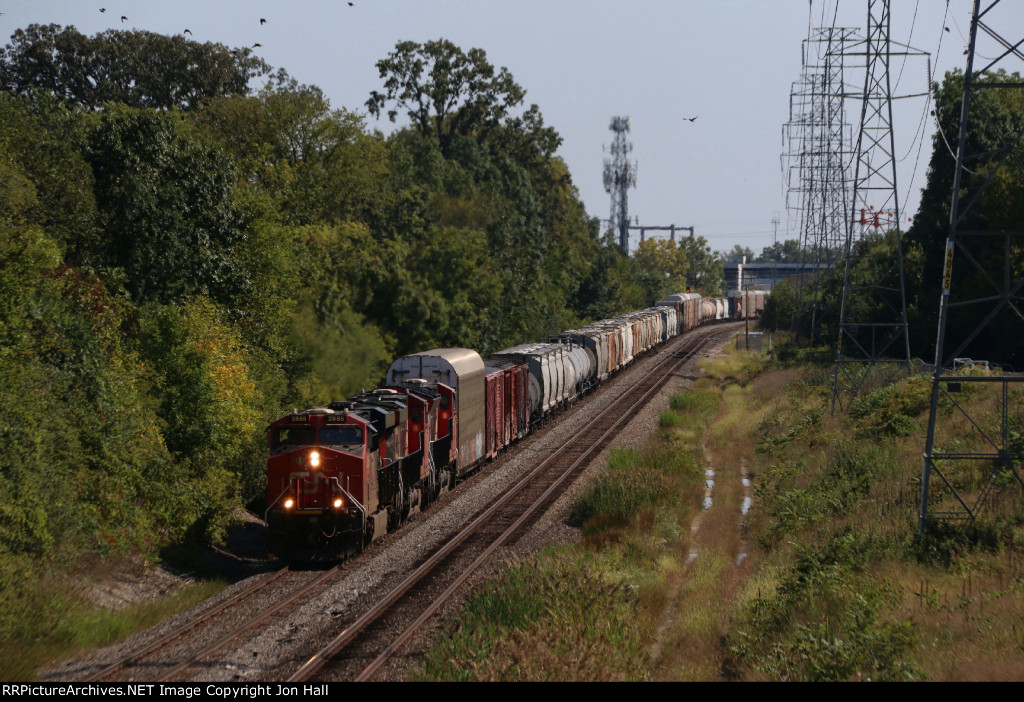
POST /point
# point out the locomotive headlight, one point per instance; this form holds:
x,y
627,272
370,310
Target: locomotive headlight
x,y
289,503
314,459
338,502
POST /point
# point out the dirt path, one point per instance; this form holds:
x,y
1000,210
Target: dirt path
x,y
687,643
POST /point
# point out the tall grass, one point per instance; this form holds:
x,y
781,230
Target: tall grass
x,y
845,589
634,481
555,617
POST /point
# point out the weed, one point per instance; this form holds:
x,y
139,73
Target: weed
x,y
556,617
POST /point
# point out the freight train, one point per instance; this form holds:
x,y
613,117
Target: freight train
x,y
345,474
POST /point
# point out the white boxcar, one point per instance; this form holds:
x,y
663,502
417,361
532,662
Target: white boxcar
x,y
462,369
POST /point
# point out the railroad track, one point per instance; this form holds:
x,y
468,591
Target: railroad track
x,y
360,651
214,630
370,640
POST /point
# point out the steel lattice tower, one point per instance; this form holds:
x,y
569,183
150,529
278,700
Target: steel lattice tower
x,y
819,141
873,314
977,455
619,177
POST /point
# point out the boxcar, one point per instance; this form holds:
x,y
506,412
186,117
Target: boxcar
x,y
462,369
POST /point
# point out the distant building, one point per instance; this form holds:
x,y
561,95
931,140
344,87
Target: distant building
x,y
740,275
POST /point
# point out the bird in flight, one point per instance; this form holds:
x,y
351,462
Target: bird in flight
x,y
123,18
103,9
256,45
690,119
188,31
262,20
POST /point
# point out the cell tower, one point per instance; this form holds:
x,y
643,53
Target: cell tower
x,y
873,314
977,454
619,177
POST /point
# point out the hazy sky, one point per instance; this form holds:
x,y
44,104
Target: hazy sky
x,y
730,63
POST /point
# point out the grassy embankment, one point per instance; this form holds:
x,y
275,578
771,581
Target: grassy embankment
x,y
74,625
824,579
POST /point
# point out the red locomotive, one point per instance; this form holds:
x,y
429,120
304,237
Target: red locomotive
x,y
343,475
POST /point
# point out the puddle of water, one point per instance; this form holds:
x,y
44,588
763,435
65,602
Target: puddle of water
x,y
746,482
709,473
709,483
707,502
740,558
745,507
692,557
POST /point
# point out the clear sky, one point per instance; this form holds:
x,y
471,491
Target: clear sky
x,y
730,63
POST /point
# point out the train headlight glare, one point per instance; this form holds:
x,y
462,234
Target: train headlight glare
x,y
337,503
289,503
314,459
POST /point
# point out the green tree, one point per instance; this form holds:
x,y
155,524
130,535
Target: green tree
x,y
209,402
996,122
664,257
167,206
137,68
707,272
787,251
445,91
611,287
738,252
779,307
318,164
45,142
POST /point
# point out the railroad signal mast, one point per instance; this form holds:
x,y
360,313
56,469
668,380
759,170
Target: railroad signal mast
x,y
977,455
619,177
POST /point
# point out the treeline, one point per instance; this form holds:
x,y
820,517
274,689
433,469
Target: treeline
x,y
183,259
987,269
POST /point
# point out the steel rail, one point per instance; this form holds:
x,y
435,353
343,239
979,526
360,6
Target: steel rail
x,y
171,636
238,631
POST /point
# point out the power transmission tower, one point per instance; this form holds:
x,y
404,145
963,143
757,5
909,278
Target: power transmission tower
x,y
873,314
822,141
619,177
977,454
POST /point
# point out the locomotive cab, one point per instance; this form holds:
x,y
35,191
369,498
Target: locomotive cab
x,y
315,483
